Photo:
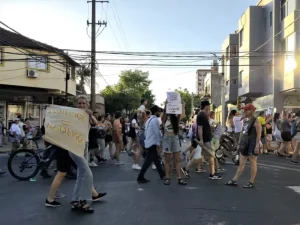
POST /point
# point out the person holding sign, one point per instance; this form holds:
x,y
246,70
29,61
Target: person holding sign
x,y
84,189
171,143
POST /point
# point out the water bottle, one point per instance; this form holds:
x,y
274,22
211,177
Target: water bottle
x,y
33,179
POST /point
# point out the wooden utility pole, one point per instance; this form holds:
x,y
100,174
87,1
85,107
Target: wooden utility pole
x,y
93,51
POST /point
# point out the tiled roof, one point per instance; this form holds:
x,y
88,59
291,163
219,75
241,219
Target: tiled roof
x,y
8,38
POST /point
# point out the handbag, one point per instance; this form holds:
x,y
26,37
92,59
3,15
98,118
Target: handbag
x,y
244,143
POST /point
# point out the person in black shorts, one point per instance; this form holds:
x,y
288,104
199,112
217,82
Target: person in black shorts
x,y
63,163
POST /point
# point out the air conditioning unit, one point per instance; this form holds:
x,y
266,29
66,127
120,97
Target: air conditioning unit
x,y
32,73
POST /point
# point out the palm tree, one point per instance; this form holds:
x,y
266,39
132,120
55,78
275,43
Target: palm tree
x,y
84,76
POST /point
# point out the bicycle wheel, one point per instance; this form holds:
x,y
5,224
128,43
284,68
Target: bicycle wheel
x,y
21,160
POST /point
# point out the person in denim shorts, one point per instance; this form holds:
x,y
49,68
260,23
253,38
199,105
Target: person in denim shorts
x,y
171,143
248,146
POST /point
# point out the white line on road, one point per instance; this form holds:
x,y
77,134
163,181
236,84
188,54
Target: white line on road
x,y
295,188
278,167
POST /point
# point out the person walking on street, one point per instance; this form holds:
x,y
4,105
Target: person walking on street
x,y
171,144
15,135
205,137
237,122
248,146
152,143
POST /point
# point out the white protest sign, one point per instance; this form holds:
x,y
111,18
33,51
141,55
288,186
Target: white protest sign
x,y
270,111
173,97
174,108
67,128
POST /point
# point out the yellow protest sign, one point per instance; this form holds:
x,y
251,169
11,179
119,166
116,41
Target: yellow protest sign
x,y
67,128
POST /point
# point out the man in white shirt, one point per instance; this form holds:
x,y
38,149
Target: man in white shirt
x,y
15,135
237,121
152,143
142,111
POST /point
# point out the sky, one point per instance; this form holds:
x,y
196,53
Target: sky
x,y
133,25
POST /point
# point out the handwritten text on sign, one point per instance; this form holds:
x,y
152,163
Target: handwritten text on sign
x,y
173,97
67,128
174,108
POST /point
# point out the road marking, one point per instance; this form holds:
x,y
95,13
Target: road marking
x,y
295,188
191,188
278,167
140,189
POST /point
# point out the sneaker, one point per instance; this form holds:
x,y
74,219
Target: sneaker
x,y
153,167
100,195
185,172
215,177
143,181
200,171
136,167
294,162
119,163
53,204
59,195
93,164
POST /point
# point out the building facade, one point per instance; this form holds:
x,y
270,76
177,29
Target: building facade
x,y
32,74
268,47
200,77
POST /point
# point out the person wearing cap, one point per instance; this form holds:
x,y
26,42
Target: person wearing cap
x,y
204,136
248,146
15,135
152,143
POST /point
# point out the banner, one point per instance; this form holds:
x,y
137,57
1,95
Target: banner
x,y
174,108
67,128
173,97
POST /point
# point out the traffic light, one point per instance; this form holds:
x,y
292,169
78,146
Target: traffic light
x,y
239,103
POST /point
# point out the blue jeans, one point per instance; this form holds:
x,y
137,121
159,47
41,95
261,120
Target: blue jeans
x,y
84,183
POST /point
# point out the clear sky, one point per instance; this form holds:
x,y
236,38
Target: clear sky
x,y
149,25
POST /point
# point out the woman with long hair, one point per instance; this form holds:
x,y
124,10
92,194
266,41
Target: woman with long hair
x,y
108,138
248,146
101,139
285,127
84,189
171,143
118,137
229,122
135,143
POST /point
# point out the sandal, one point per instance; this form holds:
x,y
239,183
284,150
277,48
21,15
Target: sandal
x,y
249,185
181,182
231,183
82,206
167,182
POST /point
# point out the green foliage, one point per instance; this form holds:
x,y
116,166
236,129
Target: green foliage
x,y
186,97
83,74
132,86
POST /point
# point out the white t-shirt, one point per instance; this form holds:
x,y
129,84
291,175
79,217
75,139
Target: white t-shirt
x,y
237,124
142,108
15,128
134,124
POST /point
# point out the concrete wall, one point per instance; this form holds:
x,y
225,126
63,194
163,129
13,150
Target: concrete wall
x,y
15,72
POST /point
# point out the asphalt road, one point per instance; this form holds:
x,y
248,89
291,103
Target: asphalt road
x,y
202,201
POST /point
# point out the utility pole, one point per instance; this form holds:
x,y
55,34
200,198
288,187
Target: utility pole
x,y
67,81
223,92
93,51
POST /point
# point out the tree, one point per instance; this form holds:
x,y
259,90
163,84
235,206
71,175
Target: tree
x,y
186,97
127,93
83,74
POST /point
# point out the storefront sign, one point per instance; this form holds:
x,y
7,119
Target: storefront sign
x,y
291,102
67,128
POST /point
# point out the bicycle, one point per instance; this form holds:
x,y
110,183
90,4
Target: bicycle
x,y
25,155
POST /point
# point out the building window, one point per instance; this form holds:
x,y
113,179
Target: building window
x,y
241,37
270,68
265,24
38,62
290,64
271,18
227,53
1,56
282,9
233,51
241,78
233,81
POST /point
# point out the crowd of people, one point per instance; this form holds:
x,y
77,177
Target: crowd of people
x,y
155,135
